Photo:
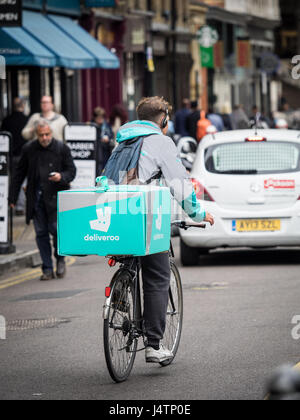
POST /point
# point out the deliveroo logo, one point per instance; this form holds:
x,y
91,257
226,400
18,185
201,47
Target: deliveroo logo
x,y
102,224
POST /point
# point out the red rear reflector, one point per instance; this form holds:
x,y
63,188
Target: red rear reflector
x,y
112,262
107,292
256,139
201,192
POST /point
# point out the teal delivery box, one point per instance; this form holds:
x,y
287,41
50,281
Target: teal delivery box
x,y
114,220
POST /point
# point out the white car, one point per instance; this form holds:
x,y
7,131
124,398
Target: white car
x,y
250,182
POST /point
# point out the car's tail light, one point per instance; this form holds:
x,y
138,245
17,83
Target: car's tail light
x,y
201,192
107,292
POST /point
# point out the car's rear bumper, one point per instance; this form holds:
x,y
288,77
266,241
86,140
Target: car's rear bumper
x,y
223,235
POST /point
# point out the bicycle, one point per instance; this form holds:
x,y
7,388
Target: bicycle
x,y
122,313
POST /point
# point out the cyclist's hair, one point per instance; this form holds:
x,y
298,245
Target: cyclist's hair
x,y
151,109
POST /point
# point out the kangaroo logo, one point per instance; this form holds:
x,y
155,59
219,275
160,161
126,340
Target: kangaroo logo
x,y
102,224
159,219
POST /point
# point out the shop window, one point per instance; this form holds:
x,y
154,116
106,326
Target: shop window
x,y
24,89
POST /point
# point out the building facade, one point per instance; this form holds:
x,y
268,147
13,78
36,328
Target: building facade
x,y
48,55
156,49
246,38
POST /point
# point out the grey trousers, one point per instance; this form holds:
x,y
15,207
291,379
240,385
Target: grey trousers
x,y
156,273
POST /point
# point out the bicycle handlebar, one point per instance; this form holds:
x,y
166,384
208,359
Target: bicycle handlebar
x,y
184,225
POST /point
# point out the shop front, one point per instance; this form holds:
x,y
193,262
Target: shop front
x,y
47,55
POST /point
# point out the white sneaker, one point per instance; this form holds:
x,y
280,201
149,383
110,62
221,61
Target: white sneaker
x,y
158,356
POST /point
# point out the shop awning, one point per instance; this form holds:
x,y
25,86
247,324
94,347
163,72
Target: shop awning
x,y
68,52
105,59
21,49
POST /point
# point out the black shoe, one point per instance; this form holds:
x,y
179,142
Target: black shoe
x,y
47,275
61,269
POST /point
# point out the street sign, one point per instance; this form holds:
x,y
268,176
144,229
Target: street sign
x,y
82,140
207,36
6,246
10,13
207,39
269,63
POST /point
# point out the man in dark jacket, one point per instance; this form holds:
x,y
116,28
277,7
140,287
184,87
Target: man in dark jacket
x,y
180,118
48,165
192,119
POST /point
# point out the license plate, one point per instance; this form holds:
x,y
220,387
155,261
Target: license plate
x,y
253,225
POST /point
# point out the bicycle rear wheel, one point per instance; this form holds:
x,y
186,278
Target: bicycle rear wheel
x,y
174,318
120,348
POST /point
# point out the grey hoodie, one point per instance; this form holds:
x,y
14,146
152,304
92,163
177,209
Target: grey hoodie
x,y
159,155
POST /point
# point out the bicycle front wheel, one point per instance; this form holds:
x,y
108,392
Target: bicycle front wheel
x,y
119,347
174,318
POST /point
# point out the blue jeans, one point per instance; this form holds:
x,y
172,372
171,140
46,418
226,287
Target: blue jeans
x,y
43,228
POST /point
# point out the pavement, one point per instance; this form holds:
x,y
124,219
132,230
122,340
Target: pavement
x,y
27,254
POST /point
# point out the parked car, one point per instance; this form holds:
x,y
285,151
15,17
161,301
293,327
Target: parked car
x,y
249,180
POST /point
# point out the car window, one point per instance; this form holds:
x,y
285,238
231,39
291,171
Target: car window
x,y
253,158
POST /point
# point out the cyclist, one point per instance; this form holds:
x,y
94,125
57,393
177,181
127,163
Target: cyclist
x,y
157,159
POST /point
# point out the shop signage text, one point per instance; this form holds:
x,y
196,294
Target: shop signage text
x,y
10,13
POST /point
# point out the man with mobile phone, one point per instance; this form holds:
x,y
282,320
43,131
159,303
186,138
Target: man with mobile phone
x,y
48,165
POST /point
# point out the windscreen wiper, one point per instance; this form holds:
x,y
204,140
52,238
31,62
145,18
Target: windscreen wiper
x,y
240,172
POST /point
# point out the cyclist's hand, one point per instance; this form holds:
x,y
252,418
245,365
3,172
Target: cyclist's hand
x,y
209,218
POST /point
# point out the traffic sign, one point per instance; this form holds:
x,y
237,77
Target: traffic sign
x,y
269,63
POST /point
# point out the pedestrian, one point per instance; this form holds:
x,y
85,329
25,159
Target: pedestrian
x,y
202,126
105,138
14,124
118,117
257,119
192,119
57,122
215,119
48,165
225,114
180,118
239,119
